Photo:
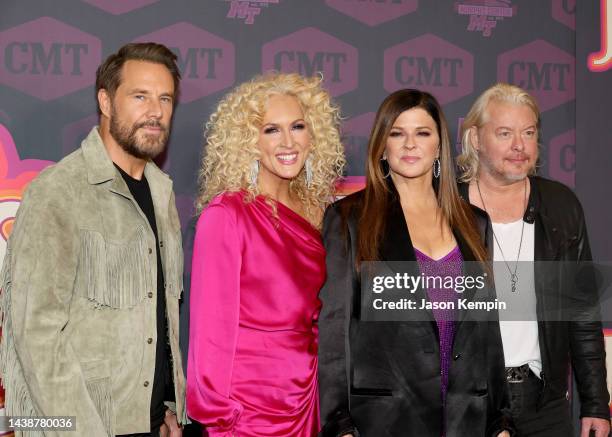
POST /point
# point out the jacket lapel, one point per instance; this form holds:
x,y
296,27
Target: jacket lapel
x,y
397,252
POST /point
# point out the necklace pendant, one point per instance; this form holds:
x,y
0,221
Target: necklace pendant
x,y
513,280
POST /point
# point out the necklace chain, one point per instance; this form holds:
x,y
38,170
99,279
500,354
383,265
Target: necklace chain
x,y
513,274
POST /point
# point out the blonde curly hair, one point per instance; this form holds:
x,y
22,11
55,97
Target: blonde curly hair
x,y
233,131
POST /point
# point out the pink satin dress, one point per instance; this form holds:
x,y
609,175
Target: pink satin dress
x,y
252,367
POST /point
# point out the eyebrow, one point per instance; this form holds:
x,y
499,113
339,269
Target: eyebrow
x,y
138,91
271,123
418,127
143,91
531,126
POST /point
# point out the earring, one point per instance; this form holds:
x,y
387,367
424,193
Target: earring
x,y
385,166
308,171
253,173
436,168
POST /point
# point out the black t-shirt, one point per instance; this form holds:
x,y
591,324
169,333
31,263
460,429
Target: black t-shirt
x,y
163,389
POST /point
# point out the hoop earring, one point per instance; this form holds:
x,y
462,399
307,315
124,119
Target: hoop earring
x,y
436,168
254,173
308,171
386,168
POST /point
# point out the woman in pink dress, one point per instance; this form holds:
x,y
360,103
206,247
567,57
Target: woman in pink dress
x,y
273,154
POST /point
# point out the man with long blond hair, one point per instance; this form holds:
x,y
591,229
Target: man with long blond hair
x,y
533,219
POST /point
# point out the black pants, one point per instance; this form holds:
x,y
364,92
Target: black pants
x,y
553,419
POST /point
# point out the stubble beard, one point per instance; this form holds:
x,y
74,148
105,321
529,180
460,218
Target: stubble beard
x,y
488,167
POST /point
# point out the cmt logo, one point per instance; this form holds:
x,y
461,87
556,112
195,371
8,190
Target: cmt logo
x,y
562,158
118,7
564,11
602,60
374,12
431,64
247,10
484,14
207,62
47,59
542,69
310,51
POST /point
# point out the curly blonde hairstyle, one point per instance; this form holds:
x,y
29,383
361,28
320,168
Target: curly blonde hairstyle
x,y
233,131
468,161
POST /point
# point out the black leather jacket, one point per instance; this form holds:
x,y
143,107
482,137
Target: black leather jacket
x,y
382,379
561,235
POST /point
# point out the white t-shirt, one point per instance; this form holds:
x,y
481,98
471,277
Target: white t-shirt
x,y
519,333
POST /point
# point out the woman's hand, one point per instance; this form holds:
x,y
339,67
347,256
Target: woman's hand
x,y
503,434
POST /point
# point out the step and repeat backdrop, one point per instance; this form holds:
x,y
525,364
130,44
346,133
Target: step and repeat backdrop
x,y
365,49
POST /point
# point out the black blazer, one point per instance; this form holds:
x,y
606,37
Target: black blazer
x,y
382,379
561,236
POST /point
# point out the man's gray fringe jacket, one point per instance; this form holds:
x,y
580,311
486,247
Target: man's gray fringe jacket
x,y
78,302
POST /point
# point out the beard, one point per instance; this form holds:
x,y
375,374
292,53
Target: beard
x,y
498,173
138,144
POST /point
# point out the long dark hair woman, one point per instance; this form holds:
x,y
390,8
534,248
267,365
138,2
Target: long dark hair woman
x,y
438,375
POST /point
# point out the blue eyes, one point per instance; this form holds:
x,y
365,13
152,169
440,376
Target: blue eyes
x,y
142,97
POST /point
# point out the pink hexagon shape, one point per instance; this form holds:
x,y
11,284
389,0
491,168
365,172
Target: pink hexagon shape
x,y
47,59
207,62
309,51
564,11
562,158
118,7
373,12
355,135
543,70
431,64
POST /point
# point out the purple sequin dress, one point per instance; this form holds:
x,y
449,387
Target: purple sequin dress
x,y
451,265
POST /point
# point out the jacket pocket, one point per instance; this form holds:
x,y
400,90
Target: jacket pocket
x,y
97,381
173,269
112,274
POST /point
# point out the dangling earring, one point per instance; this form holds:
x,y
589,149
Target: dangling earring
x,y
308,171
253,174
436,168
387,170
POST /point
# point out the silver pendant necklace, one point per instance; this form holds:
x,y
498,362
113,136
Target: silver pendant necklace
x,y
513,275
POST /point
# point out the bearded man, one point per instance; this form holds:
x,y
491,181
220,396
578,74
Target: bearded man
x,y
93,271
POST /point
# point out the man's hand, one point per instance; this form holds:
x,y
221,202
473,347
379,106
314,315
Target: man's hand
x,y
600,426
503,434
170,428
